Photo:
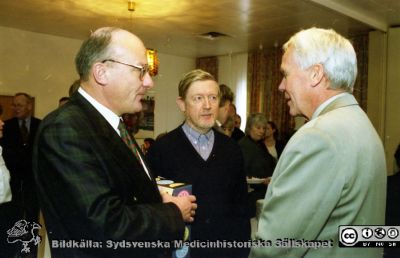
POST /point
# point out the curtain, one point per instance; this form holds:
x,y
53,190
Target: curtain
x,y
208,64
360,44
264,77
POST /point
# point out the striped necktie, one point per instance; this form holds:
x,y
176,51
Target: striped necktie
x,y
128,139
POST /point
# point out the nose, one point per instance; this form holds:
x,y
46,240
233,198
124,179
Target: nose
x,y
282,85
148,81
207,103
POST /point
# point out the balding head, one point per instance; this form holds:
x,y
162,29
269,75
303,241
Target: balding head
x,y
101,45
112,65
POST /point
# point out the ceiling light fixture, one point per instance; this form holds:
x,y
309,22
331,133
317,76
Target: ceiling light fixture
x,y
152,58
131,5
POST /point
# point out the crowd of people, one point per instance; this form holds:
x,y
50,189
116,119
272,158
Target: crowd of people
x,y
82,167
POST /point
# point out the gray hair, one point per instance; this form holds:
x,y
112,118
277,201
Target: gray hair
x,y
94,49
254,120
326,47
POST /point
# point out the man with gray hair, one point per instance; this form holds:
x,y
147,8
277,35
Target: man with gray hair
x,y
332,172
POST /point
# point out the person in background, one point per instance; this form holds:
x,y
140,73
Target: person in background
x,y
17,142
332,171
62,101
392,203
92,179
5,190
228,126
237,134
238,121
196,153
226,99
272,142
147,143
5,198
258,162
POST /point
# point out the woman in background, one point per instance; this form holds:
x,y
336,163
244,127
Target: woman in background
x,y
257,160
271,142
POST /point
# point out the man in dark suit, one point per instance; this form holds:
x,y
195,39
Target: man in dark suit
x,y
197,154
19,133
92,185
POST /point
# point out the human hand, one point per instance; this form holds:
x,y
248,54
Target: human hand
x,y
186,205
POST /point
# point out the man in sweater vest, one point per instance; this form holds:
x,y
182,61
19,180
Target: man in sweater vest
x,y
211,162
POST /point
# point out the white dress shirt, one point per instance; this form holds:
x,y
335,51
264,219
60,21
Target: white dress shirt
x,y
111,118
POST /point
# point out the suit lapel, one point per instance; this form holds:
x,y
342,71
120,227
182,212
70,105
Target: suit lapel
x,y
110,141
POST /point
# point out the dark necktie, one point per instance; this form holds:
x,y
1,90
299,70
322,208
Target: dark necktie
x,y
128,139
24,132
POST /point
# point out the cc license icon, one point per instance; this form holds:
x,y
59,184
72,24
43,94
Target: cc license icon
x,y
367,233
349,236
392,233
380,233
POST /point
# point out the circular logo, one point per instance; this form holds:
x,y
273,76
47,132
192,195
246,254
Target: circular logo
x,y
349,236
392,233
380,233
367,233
183,193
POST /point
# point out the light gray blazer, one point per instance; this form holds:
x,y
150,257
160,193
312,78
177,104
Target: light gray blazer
x,y
332,172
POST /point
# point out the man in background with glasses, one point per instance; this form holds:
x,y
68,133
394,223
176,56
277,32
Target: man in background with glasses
x,y
92,180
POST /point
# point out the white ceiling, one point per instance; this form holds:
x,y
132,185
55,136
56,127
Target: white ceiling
x,y
173,26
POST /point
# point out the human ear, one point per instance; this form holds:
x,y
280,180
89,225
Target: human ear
x,y
316,74
99,73
181,104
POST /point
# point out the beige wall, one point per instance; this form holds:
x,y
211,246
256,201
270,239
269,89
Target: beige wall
x,y
43,66
392,114
38,64
167,115
384,90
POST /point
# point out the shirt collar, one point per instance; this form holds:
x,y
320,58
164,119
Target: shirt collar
x,y
110,116
195,134
325,104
